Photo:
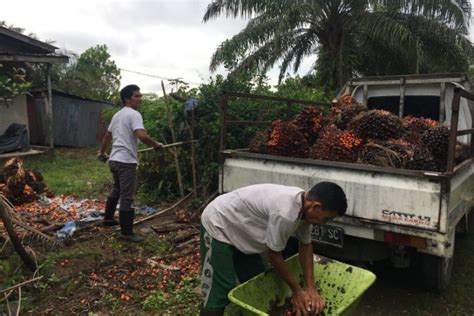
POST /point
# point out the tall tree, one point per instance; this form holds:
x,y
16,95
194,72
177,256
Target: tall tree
x,y
93,74
346,37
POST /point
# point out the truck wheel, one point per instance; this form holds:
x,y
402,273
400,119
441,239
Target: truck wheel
x,y
436,272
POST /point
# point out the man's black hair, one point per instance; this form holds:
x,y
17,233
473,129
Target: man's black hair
x,y
330,195
127,92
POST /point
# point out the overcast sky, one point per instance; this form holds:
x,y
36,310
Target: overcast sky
x,y
163,38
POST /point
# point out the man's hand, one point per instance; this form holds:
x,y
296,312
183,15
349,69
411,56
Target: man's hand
x,y
301,303
102,157
157,145
317,303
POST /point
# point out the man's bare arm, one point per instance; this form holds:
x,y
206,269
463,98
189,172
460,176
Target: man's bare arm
x,y
145,138
106,140
307,265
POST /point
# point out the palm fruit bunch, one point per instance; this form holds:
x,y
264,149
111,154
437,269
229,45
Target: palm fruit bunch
x,y
259,143
376,125
336,145
422,160
393,153
418,125
35,180
344,110
437,140
21,186
287,140
309,122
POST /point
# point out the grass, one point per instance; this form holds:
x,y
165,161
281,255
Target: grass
x,y
73,172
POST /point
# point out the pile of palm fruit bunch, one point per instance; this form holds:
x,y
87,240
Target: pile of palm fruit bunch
x,y
19,185
336,145
286,139
352,133
343,110
309,122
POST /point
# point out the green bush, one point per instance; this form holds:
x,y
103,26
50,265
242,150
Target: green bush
x,y
157,172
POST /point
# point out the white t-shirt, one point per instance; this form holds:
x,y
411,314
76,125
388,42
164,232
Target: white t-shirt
x,y
255,217
125,144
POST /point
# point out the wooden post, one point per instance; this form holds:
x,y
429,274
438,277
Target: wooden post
x,y
49,109
193,153
173,140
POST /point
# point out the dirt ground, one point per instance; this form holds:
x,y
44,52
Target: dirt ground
x,y
399,291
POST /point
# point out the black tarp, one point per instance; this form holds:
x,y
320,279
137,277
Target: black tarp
x,y
15,139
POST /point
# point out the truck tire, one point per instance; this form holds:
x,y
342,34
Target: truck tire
x,y
436,272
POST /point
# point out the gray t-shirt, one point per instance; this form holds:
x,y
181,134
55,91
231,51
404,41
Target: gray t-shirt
x,y
125,144
255,217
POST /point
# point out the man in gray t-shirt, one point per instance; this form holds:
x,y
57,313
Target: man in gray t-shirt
x,y
124,131
259,219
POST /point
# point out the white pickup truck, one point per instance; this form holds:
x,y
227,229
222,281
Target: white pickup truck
x,y
404,215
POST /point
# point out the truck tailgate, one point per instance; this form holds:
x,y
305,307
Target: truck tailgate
x,y
374,196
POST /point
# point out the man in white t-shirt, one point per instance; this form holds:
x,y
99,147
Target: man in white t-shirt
x,y
239,226
124,131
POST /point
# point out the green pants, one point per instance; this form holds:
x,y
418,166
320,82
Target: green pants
x,y
222,265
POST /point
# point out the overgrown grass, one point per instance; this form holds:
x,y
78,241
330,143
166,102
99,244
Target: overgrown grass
x,y
73,172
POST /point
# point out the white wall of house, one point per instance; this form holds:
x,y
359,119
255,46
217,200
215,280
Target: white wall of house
x,y
13,112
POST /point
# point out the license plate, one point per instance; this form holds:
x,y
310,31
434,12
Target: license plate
x,y
329,235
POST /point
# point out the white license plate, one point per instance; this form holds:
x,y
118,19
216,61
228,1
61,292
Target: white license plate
x,y
329,235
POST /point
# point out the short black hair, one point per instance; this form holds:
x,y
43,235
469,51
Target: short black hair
x,y
127,92
330,195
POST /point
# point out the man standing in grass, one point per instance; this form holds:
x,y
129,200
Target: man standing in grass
x,y
124,131
237,227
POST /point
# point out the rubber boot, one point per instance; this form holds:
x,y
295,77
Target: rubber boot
x,y
110,207
126,226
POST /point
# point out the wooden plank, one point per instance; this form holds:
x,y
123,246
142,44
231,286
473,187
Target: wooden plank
x,y
31,152
269,98
57,59
248,122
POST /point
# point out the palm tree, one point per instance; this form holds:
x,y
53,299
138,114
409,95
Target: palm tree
x,y
346,37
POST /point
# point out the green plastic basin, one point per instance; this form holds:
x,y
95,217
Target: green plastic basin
x,y
341,285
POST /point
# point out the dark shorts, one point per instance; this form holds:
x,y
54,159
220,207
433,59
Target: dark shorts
x,y
222,266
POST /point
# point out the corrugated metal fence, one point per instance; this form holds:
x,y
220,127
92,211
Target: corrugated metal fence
x,y
76,121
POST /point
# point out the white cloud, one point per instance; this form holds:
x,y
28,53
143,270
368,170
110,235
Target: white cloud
x,y
164,38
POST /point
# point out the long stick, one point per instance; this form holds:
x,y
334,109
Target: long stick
x,y
27,259
11,288
173,139
169,145
163,211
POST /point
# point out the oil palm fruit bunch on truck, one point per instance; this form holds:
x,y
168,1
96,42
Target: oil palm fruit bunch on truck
x,y
352,133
